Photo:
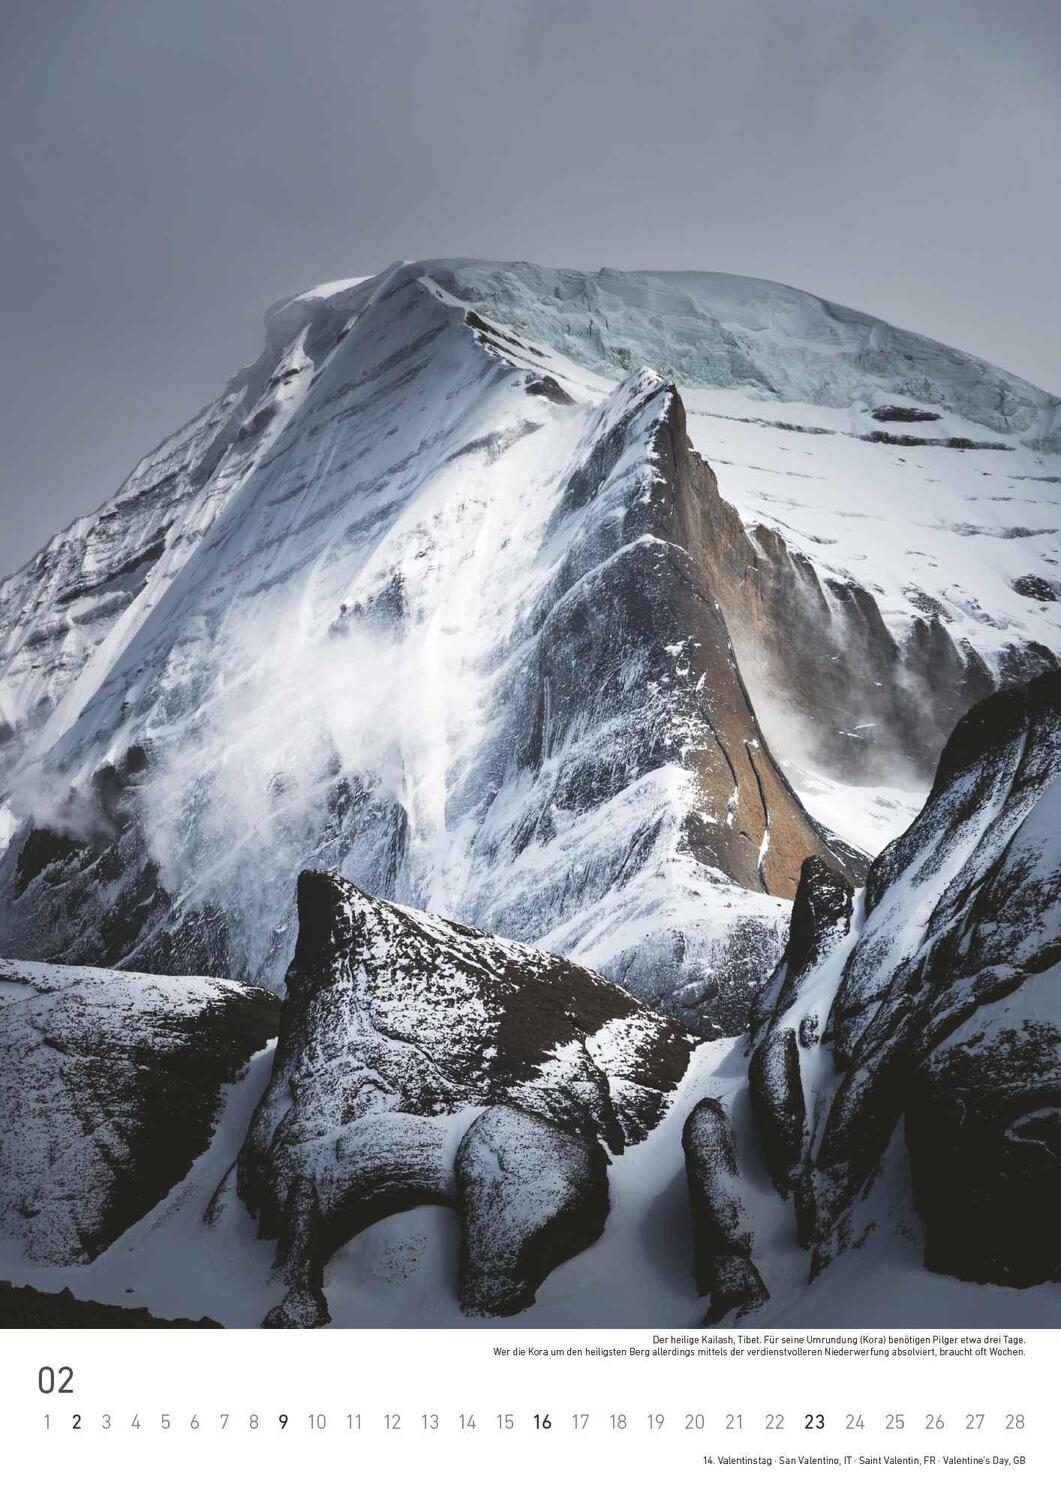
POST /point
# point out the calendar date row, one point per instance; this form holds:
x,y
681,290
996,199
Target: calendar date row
x,y
539,1421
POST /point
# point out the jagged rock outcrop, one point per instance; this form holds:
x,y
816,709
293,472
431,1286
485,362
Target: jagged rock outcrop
x,y
109,1086
722,1243
821,917
941,1015
530,1195
662,603
775,1085
398,1029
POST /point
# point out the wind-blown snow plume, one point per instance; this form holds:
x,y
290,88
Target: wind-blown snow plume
x,y
438,595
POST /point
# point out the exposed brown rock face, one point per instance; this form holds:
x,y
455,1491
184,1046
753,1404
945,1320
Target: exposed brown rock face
x,y
819,647
669,600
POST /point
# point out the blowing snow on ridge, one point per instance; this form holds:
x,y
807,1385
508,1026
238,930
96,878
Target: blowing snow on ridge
x,y
574,611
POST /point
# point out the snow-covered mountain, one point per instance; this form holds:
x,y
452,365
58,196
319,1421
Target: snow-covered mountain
x,y
438,595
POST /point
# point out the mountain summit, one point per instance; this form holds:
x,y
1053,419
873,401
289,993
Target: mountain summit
x,y
583,609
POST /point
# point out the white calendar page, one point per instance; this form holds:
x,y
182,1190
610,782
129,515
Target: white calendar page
x,y
530,822
490,1411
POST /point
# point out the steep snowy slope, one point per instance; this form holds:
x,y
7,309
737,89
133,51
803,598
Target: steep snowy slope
x,y
429,598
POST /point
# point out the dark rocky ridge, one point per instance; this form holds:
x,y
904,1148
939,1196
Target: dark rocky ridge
x,y
903,414
398,1030
905,440
676,588
651,591
947,1029
25,1307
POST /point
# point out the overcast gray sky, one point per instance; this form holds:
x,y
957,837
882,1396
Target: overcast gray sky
x,y
170,167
